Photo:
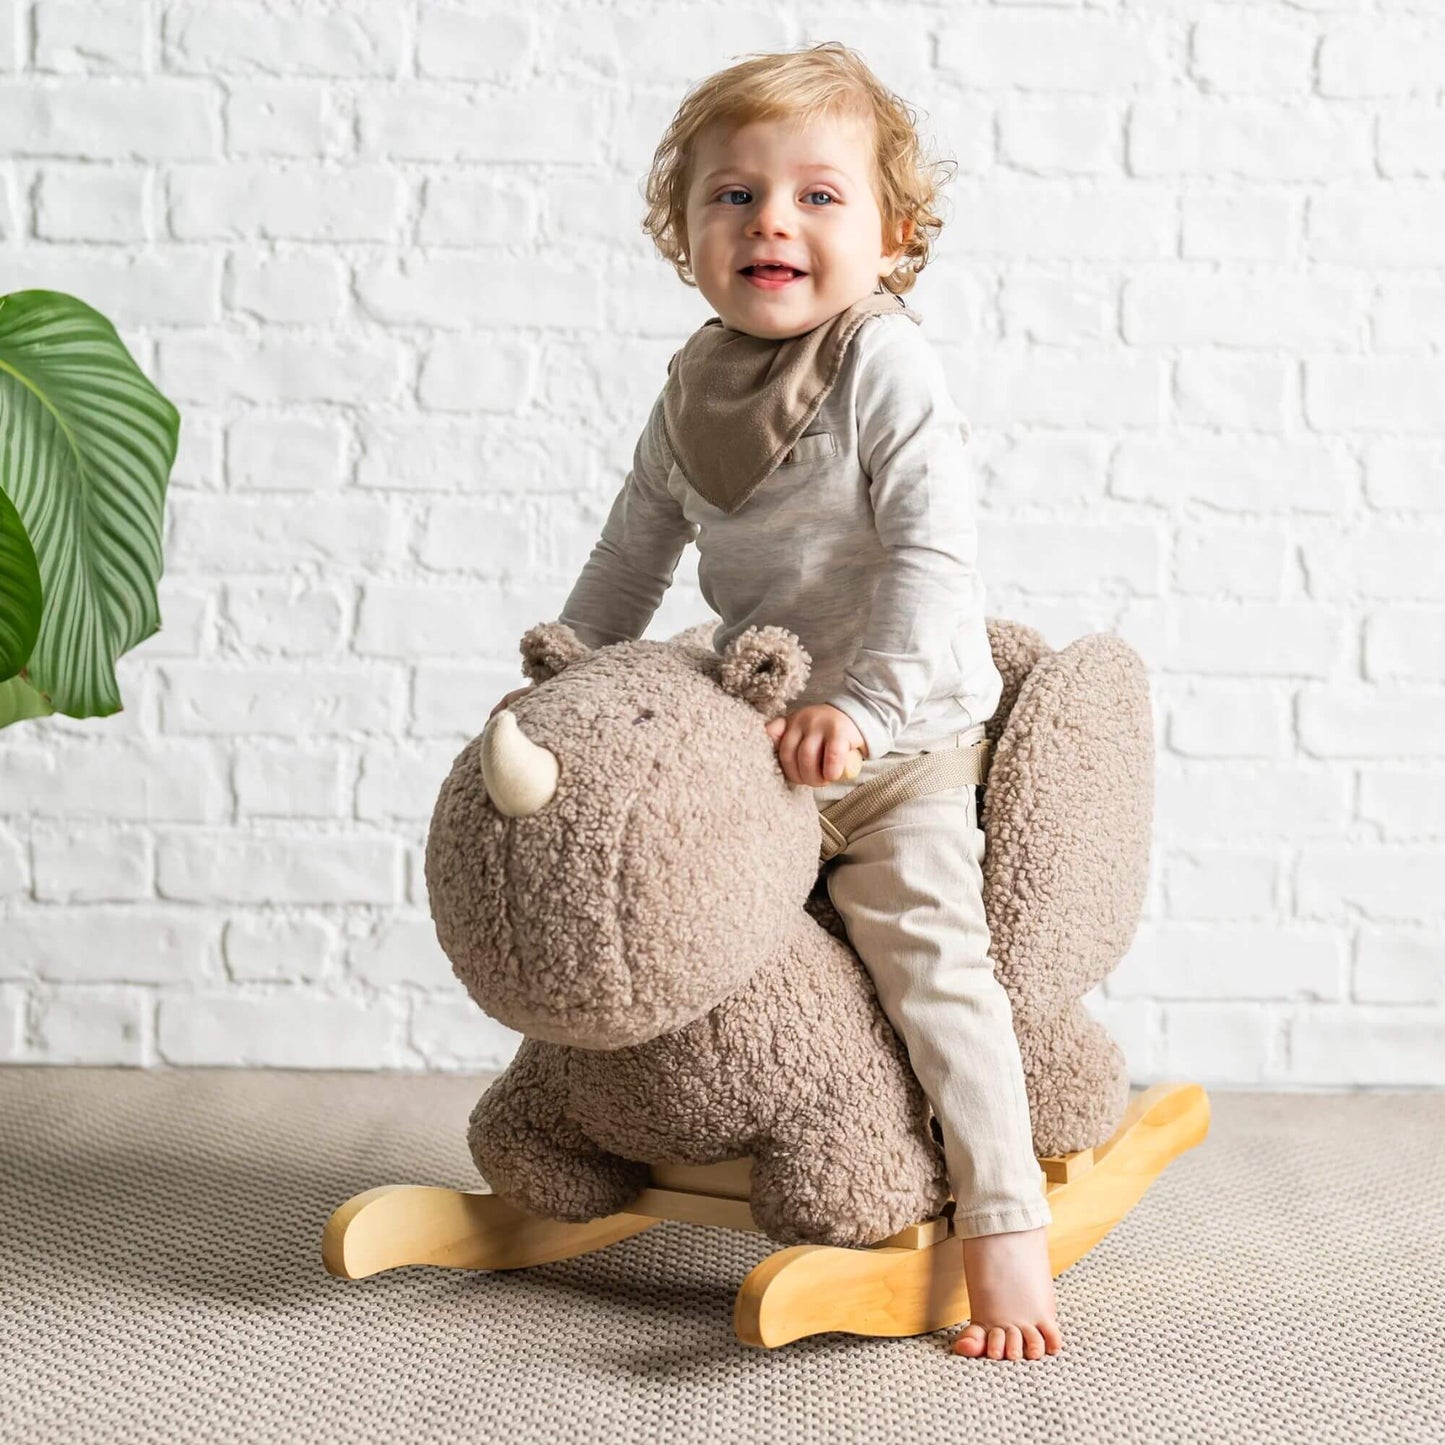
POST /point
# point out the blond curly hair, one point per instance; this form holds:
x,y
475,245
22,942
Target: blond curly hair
x,y
826,79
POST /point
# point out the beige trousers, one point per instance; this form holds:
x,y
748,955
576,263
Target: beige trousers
x,y
909,889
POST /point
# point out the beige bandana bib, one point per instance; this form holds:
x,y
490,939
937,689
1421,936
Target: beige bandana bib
x,y
734,404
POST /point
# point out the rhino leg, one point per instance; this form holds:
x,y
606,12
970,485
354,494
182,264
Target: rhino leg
x,y
534,1156
847,1188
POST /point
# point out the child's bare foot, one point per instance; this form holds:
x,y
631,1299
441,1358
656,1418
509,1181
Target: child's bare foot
x,y
1013,1314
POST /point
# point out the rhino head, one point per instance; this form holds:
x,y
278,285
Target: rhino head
x,y
618,850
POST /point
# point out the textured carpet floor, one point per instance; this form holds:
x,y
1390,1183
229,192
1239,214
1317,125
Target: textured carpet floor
x,y
161,1281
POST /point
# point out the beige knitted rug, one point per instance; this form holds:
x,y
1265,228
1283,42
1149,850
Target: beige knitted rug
x,y
161,1281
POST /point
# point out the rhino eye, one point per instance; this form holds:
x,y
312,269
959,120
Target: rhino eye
x,y
643,715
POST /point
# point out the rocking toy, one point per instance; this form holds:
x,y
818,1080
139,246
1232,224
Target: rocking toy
x,y
619,871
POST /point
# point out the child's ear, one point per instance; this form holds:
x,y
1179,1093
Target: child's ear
x,y
906,230
548,648
765,667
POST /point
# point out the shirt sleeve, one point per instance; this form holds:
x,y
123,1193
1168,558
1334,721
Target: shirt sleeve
x,y
633,561
911,441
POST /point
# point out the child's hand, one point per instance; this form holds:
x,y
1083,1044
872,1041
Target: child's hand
x,y
813,744
510,698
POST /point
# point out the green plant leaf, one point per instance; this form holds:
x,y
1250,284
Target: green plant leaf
x,y
19,700
86,448
19,619
19,592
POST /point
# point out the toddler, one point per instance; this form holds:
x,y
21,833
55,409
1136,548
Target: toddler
x,y
806,441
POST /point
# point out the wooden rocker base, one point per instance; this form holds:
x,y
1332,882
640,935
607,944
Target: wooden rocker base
x,y
909,1284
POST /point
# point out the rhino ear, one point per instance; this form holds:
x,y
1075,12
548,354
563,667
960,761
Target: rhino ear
x,y
548,648
766,667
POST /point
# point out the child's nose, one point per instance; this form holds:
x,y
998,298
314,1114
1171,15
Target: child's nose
x,y
772,218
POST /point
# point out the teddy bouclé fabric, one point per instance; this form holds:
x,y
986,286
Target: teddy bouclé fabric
x,y
618,870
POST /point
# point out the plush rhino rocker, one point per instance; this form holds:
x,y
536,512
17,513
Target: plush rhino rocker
x,y
619,871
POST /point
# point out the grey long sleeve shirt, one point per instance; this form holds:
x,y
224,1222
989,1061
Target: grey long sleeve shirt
x,y
863,543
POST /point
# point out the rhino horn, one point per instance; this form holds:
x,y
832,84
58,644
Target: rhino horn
x,y
520,775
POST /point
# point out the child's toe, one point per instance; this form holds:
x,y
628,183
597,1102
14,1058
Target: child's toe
x,y
970,1342
1033,1343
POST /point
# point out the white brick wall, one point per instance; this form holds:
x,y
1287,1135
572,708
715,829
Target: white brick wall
x,y
386,257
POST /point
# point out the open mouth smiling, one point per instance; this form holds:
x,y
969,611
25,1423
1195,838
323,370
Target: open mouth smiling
x,y
771,277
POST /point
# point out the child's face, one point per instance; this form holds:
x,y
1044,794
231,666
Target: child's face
x,y
793,193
